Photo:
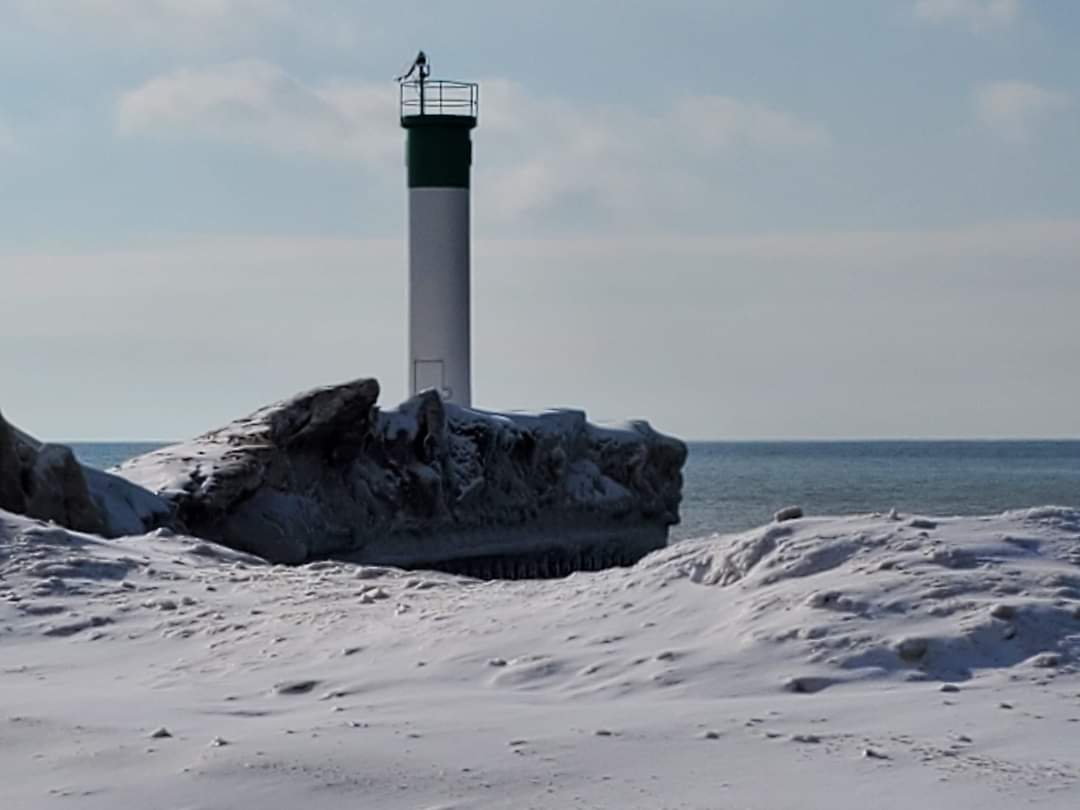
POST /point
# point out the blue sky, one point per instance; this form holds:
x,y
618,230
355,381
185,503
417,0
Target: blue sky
x,y
738,219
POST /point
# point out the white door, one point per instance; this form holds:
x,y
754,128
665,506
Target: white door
x,y
429,374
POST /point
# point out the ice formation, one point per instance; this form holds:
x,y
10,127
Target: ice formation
x,y
427,484
45,481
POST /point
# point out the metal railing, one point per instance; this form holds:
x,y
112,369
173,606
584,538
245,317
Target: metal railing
x,y
439,97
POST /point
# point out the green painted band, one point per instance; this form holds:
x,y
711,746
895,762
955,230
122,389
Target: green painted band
x,y
438,154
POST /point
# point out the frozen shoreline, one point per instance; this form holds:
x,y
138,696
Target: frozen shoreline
x,y
328,473
797,664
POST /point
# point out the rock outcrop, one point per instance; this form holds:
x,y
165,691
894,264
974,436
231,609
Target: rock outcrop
x,y
46,482
328,474
12,495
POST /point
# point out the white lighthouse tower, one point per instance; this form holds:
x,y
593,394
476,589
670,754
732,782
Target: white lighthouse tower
x,y
438,117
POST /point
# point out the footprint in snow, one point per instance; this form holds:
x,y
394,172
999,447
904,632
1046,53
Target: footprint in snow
x,y
295,687
808,684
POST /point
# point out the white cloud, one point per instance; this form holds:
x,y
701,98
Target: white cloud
x,y
544,151
538,152
258,103
718,122
1014,109
978,14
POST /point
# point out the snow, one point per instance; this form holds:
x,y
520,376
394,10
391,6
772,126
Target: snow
x,y
124,508
877,660
167,470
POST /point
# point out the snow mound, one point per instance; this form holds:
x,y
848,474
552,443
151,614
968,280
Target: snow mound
x,y
167,666
812,602
876,596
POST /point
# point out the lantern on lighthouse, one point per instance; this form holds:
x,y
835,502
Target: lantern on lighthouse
x,y
438,117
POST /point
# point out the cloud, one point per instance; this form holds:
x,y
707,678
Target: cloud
x,y
7,139
197,23
1013,110
540,153
719,122
980,15
257,103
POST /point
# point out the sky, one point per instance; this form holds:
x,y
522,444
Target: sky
x,y
735,218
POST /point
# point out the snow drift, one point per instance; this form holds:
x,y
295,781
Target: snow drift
x,y
930,661
937,599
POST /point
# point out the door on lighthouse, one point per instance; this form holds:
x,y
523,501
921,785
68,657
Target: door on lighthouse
x,y
430,374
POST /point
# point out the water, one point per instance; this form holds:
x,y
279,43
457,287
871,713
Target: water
x,y
732,486
108,454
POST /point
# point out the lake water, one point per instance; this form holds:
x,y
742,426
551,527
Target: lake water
x,y
736,485
732,486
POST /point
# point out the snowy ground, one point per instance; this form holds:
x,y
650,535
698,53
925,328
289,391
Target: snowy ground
x,y
857,662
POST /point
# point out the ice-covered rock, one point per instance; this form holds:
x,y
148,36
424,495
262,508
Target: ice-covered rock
x,y
12,496
327,473
45,481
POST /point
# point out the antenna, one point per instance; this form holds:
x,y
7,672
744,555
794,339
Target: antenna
x,y
419,66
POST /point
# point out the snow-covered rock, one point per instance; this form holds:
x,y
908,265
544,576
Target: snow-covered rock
x,y
327,473
46,482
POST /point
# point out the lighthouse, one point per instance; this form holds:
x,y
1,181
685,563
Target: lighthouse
x,y
438,117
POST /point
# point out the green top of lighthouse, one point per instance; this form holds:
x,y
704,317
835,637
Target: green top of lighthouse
x,y
425,102
438,117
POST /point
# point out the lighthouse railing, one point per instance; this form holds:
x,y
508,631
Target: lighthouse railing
x,y
439,97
